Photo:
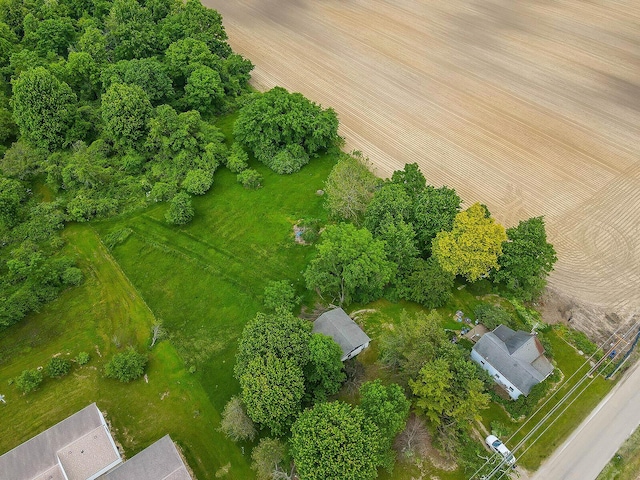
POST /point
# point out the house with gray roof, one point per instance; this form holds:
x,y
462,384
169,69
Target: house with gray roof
x,y
344,331
80,447
515,360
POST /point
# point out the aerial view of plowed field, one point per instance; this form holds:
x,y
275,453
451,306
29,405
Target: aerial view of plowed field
x,y
529,106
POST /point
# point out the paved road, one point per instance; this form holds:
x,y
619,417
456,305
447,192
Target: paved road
x,y
586,452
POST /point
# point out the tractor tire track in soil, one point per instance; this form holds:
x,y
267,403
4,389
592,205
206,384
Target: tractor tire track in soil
x,y
530,106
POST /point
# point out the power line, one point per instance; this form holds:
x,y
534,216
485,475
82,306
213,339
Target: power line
x,y
561,401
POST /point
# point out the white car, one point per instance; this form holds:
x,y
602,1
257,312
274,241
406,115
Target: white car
x,y
497,446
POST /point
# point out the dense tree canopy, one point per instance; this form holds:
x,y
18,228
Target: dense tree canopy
x,y
281,335
350,265
43,108
281,128
472,247
526,261
335,441
272,390
324,372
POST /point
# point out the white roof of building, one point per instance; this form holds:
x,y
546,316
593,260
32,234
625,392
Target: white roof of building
x,y
344,331
80,446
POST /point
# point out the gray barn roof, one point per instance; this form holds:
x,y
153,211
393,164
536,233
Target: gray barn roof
x,y
81,444
518,356
344,331
160,461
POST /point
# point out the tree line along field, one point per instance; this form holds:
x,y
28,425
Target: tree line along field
x,y
528,107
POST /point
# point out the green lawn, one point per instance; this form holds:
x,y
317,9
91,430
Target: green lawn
x,y
625,464
203,281
88,318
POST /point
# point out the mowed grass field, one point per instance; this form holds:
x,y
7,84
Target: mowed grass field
x,y
203,282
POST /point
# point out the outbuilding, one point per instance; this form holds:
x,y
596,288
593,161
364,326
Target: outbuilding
x,y
343,330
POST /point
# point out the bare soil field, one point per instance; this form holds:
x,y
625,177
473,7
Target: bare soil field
x,y
529,106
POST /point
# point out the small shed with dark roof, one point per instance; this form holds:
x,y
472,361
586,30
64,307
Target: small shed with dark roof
x,y
343,330
514,359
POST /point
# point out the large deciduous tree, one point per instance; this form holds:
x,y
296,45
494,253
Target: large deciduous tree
x,y
427,284
390,204
473,246
526,261
272,391
43,107
434,211
324,372
350,265
125,111
387,407
277,120
350,187
280,334
335,441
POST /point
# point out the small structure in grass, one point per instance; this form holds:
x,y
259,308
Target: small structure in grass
x,y
344,331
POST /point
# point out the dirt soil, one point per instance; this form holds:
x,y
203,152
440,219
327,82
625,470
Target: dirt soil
x,y
529,106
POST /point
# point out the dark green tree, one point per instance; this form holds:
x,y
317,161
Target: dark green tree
x,y
335,441
180,210
148,73
280,334
58,367
428,284
526,261
434,211
204,90
272,391
125,111
324,372
278,119
390,204
350,265
411,178
43,107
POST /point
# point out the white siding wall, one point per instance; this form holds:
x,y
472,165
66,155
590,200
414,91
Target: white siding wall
x,y
355,352
511,389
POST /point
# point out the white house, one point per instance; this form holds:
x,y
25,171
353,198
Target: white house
x,y
344,331
515,360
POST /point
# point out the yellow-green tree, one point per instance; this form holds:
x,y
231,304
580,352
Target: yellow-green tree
x,y
473,246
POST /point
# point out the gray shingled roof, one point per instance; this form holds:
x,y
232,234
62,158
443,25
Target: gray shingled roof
x,y
518,356
160,461
81,438
344,331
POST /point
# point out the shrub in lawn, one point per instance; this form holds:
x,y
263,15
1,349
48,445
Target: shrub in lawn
x,y
249,178
289,160
83,358
180,210
126,366
29,380
58,367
